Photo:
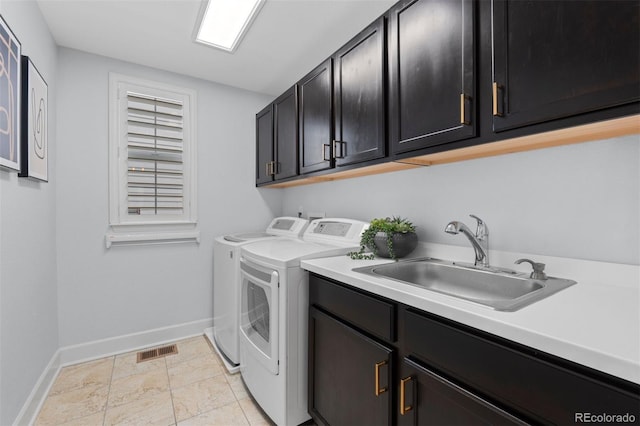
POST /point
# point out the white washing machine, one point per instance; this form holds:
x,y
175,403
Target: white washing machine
x,y
226,284
273,314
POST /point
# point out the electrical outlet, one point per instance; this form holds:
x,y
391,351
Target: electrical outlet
x,y
316,215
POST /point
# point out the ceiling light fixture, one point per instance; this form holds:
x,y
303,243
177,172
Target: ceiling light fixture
x,y
224,22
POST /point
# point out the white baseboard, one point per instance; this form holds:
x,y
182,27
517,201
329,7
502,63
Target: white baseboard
x,y
31,408
83,352
75,354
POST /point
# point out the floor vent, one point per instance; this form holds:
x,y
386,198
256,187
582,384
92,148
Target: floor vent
x,y
157,353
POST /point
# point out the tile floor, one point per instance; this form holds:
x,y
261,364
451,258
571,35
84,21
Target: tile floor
x,y
189,388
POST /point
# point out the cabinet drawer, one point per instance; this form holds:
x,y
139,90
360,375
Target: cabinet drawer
x,y
525,381
363,311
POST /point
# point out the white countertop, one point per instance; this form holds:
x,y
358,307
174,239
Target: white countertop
x,y
595,322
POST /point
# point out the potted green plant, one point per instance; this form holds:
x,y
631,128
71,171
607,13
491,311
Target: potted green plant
x,y
389,237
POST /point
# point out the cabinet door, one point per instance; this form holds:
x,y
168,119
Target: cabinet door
x,y
285,119
316,119
359,97
425,398
349,374
431,73
264,145
554,59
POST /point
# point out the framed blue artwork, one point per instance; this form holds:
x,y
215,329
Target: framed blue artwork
x,y
10,88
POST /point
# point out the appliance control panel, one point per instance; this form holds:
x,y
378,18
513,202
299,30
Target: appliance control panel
x,y
281,223
335,231
339,229
287,226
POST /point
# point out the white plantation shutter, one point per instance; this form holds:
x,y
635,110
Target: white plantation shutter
x,y
155,167
152,162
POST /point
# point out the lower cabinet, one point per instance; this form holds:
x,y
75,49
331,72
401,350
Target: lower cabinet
x,y
374,361
350,375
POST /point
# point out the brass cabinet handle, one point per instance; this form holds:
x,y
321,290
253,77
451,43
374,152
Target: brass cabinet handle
x,y
324,151
377,370
403,406
496,88
463,112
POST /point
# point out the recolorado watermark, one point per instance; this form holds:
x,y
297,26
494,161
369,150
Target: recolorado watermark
x,y
604,418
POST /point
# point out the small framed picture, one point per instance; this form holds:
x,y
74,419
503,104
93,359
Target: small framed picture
x,y
10,94
35,141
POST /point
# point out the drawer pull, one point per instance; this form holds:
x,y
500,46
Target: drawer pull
x,y
377,369
403,407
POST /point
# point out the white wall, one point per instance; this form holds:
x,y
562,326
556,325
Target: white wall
x,y
28,301
579,201
112,292
60,286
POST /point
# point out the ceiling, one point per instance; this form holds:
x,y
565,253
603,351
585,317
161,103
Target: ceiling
x,y
287,39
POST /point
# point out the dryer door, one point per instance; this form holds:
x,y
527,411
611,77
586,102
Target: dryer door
x,y
259,313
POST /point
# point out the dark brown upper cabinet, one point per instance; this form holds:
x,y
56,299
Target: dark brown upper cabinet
x,y
444,75
264,146
277,139
315,114
431,73
285,131
554,59
359,97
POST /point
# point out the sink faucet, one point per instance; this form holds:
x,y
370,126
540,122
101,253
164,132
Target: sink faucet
x,y
479,241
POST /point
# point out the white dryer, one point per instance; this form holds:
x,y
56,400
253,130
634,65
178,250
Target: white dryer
x,y
273,314
226,284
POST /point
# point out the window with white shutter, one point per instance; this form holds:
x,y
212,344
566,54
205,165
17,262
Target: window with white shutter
x,y
151,163
154,156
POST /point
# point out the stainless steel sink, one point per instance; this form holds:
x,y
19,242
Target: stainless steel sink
x,y
500,289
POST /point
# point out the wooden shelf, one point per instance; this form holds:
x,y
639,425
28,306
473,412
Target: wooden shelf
x,y
586,133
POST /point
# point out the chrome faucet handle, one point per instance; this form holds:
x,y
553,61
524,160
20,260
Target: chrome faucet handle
x,y
482,230
538,269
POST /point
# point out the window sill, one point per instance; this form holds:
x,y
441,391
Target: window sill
x,y
150,238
